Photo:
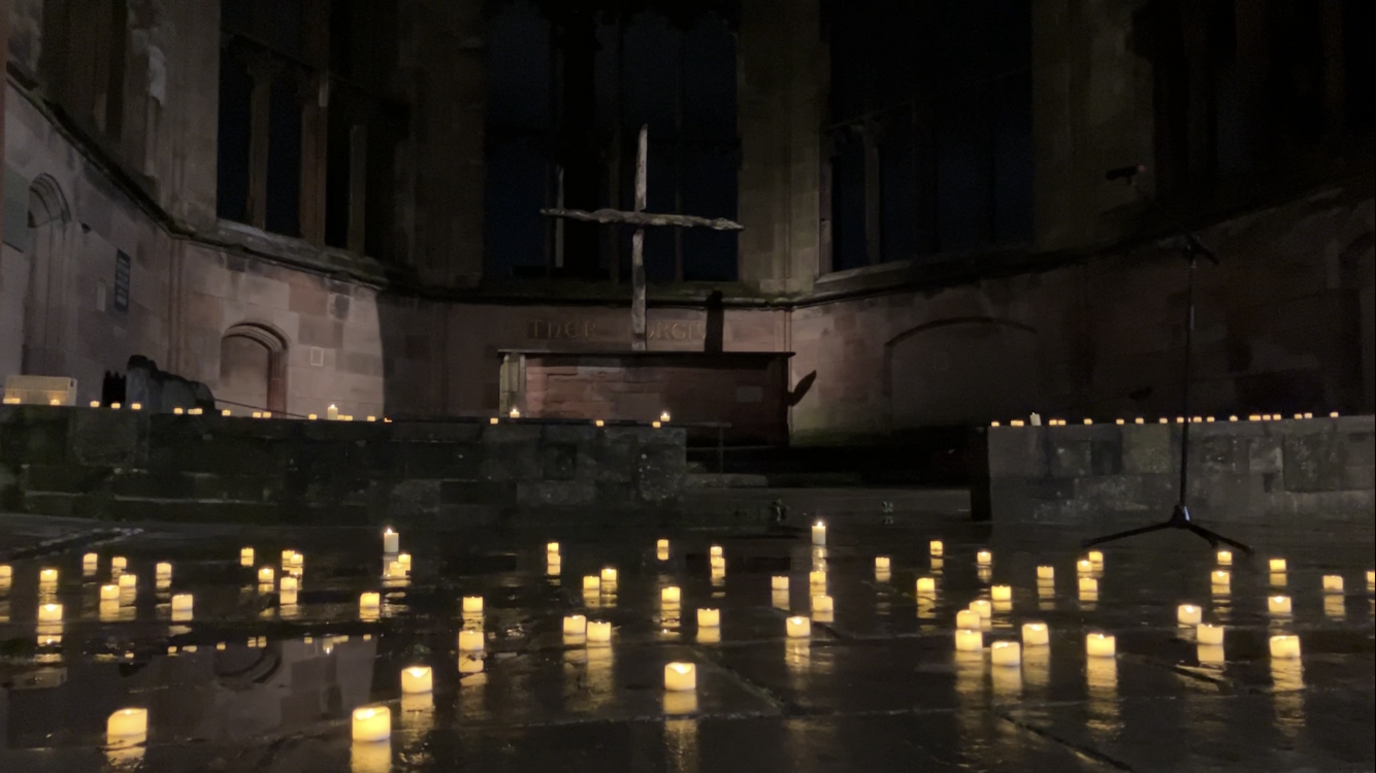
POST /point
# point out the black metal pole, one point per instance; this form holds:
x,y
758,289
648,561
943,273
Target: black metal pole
x,y
1185,399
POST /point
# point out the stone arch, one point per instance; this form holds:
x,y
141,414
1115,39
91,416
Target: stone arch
x,y
961,371
253,368
44,287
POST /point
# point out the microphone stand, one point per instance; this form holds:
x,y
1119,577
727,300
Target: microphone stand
x,y
1192,250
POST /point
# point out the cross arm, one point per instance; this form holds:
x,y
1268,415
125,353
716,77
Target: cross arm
x,y
642,219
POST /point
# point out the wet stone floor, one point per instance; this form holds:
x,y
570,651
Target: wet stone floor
x,y
245,682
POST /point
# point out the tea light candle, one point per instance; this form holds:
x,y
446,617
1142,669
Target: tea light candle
x,y
937,547
798,627
90,560
109,593
592,582
391,541
470,640
163,571
715,551
1278,605
600,631
1095,557
1046,573
1278,565
50,613
1083,566
183,602
710,618
6,572
1089,585
288,584
396,569
47,576
1001,593
1188,614
298,561
984,558
246,557
472,603
718,564
372,723
1333,583
552,547
416,680
822,604
126,724
969,641
1225,558
128,581
926,586
1285,647
671,594
370,600
819,533
1005,653
266,575
1221,578
1209,634
983,608
575,625
609,576
881,562
680,677
1100,645
968,618
1035,635
817,578
779,582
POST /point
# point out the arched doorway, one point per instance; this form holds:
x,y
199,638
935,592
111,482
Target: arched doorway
x,y
253,369
961,372
32,278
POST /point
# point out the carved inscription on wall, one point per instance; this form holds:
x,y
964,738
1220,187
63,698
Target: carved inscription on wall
x,y
590,330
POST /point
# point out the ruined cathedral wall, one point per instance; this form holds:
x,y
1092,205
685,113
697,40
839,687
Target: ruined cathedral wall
x,y
1284,325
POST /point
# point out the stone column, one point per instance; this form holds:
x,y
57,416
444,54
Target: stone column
x,y
782,77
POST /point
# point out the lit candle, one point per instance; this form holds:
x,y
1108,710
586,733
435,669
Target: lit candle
x,y
662,544
1221,577
391,541
671,594
600,631
266,575
592,582
1285,647
710,618
1370,579
1225,558
1035,635
1005,653
1089,585
1278,565
1046,573
183,602
715,551
1001,593
472,603
819,533
1209,634
6,573
552,547
332,412
370,600
817,578
396,569
822,604
1100,645
680,677
881,562
125,725
937,547
983,608
1083,566
50,613
779,582
1278,605
109,593
969,641
470,640
1333,583
372,723
128,581
1095,557
984,558
1188,614
416,680
89,561
718,564
798,627
246,557
926,586
162,570
575,625
47,576
968,618
609,576
1210,655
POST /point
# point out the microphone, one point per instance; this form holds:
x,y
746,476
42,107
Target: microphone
x,y
1125,172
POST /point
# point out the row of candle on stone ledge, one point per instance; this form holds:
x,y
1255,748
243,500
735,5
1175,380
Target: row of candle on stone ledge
x,y
1178,419
515,413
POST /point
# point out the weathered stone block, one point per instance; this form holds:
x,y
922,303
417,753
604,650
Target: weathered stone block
x,y
557,493
113,438
1220,454
453,492
1265,455
1017,452
34,434
409,498
570,433
1147,449
607,461
511,432
453,461
1315,462
1070,458
436,432
1106,455
510,461
560,461
66,478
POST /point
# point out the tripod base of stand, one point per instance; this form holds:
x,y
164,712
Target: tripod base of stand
x,y
1180,519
